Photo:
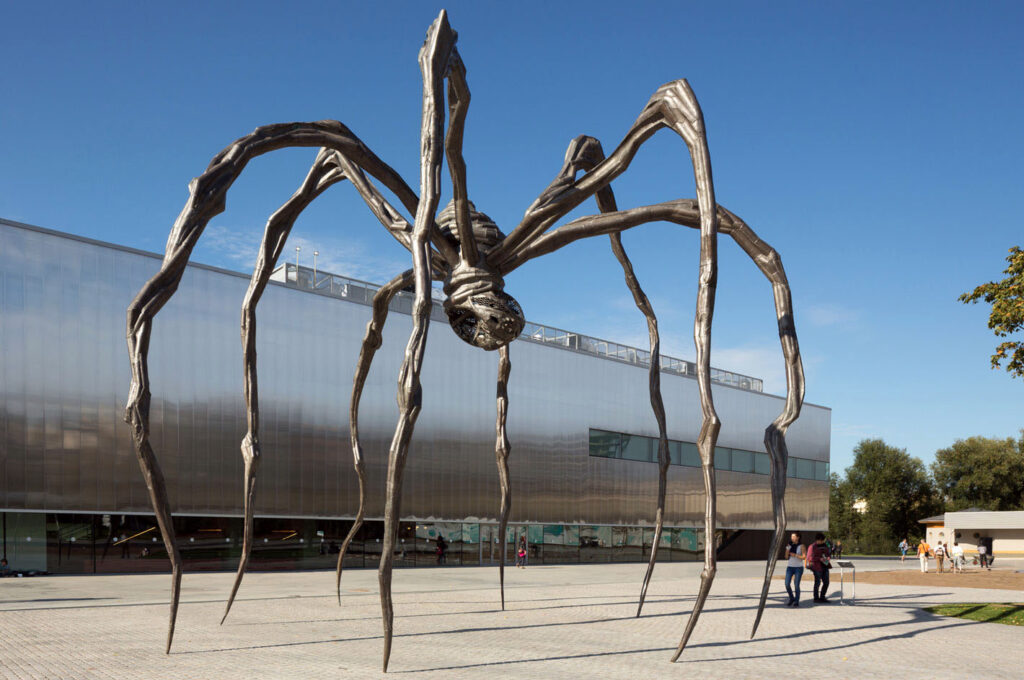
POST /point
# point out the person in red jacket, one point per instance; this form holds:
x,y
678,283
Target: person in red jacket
x,y
819,561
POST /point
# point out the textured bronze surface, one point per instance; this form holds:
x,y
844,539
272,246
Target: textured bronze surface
x,y
465,249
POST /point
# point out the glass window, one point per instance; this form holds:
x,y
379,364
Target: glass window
x,y
595,544
654,450
675,452
821,470
604,444
635,447
742,461
691,457
791,468
722,458
804,468
762,464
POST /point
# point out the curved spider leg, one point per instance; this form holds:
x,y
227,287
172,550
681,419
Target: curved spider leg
x,y
433,60
675,106
371,343
458,107
502,449
323,174
657,404
583,154
767,259
769,262
207,195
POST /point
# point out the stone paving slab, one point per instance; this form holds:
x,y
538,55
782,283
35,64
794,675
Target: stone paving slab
x,y
562,622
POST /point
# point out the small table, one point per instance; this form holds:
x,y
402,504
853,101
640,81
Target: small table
x,y
842,566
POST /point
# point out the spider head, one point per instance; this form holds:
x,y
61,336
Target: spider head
x,y
478,309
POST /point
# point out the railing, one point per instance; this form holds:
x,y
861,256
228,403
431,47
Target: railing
x,y
362,292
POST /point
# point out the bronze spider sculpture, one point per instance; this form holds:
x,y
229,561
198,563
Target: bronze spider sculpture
x,y
466,250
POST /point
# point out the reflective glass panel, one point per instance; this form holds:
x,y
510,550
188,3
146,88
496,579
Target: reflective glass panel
x,y
821,470
804,468
690,454
675,452
595,544
635,447
604,444
762,464
722,458
742,461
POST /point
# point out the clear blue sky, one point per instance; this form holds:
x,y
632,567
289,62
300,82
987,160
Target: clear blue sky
x,y
877,146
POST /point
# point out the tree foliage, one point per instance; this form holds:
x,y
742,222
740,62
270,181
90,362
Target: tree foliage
x,y
981,472
842,518
1007,316
898,492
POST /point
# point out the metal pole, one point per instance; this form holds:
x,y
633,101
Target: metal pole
x,y
315,253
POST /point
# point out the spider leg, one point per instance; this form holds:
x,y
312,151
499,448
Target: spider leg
x,y
433,59
502,448
458,106
207,195
657,404
323,174
767,259
371,343
582,155
675,106
672,106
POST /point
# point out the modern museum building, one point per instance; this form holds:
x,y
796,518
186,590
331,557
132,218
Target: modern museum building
x,y
584,439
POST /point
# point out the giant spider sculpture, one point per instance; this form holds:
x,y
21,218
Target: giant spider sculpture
x,y
466,250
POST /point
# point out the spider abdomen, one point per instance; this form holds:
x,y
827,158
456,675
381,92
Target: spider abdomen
x,y
479,310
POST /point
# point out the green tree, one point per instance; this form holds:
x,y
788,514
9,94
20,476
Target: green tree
x,y
842,518
981,472
897,490
1007,317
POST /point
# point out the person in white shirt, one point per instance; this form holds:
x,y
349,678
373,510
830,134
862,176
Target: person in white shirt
x,y
957,553
796,554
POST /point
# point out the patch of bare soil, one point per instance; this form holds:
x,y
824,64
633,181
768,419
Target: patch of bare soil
x,y
999,579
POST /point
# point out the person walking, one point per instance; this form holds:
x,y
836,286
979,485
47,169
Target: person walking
x,y
521,553
904,547
957,554
795,558
819,562
442,550
940,556
922,554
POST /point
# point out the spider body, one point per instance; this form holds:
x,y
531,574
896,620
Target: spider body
x,y
465,249
478,308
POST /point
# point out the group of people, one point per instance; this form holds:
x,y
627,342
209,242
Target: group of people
x,y
817,557
442,551
941,551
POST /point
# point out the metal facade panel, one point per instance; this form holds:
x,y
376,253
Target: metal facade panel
x,y
65,377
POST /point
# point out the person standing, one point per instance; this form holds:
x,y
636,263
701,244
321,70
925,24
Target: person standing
x,y
940,556
795,557
819,562
922,554
983,556
957,555
904,547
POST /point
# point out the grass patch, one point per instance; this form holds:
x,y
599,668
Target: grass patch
x,y
1010,613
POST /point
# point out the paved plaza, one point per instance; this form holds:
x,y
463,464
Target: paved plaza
x,y
574,621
